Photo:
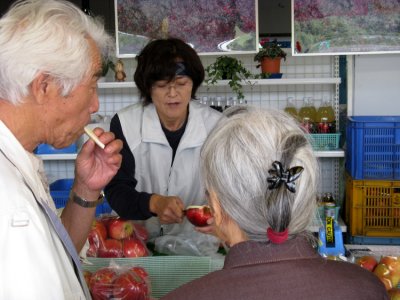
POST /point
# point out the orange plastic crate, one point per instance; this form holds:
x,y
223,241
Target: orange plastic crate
x,y
373,207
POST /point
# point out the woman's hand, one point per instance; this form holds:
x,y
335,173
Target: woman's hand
x,y
169,209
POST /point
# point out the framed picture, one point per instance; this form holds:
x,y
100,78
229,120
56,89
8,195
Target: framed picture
x,y
340,27
210,27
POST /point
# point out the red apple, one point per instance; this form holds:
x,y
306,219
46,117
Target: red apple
x,y
134,247
141,232
96,238
111,248
198,215
393,263
101,283
141,272
120,229
394,293
367,262
87,275
383,273
130,285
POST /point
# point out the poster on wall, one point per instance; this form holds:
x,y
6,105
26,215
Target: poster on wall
x,y
340,27
210,27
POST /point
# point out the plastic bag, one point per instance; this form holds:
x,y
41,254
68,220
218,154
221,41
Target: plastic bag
x,y
113,237
188,243
119,282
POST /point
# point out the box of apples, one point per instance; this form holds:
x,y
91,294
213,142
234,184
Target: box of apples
x,y
387,268
119,282
114,237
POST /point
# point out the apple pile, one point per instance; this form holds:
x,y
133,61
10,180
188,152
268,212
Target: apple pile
x,y
387,270
119,283
113,237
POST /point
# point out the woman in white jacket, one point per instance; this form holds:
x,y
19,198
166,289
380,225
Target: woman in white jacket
x,y
162,138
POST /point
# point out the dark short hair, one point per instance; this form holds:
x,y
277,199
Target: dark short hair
x,y
157,61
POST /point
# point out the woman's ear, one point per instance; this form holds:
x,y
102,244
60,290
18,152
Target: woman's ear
x,y
215,207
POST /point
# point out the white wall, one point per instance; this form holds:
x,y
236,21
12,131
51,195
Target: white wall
x,y
376,89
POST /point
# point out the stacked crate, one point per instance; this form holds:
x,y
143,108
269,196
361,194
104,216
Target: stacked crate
x,y
373,179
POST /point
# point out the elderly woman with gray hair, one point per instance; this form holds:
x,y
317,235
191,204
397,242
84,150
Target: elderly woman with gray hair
x,y
261,178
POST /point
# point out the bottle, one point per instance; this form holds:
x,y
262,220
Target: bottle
x,y
204,100
228,103
291,107
326,111
323,126
306,124
219,106
308,110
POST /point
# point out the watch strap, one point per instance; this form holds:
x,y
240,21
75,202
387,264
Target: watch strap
x,y
85,203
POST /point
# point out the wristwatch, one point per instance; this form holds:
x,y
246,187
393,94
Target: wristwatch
x,y
85,203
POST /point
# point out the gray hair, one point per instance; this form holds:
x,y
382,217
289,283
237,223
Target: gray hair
x,y
236,158
46,36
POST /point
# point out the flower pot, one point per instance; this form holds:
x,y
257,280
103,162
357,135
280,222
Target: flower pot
x,y
271,65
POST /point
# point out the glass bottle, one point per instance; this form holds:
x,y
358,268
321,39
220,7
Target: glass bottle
x,y
326,111
291,107
308,110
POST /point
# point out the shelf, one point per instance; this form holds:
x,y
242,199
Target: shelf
x,y
116,85
63,156
283,81
331,154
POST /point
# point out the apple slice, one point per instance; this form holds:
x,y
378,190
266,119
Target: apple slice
x,y
198,214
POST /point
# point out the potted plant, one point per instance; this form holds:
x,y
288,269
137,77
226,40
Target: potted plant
x,y
269,57
228,68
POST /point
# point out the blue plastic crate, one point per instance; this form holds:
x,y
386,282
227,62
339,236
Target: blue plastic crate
x,y
48,149
365,240
373,147
60,189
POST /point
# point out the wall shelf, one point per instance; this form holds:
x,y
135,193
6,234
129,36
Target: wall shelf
x,y
282,81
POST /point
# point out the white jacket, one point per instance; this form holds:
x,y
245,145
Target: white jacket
x,y
33,261
153,156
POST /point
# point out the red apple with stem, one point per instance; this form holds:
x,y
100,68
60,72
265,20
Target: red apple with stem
x,y
111,248
101,283
367,262
134,247
130,285
120,229
198,214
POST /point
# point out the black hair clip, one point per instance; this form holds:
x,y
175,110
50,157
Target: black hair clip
x,y
280,175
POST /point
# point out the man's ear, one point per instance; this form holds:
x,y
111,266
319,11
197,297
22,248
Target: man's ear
x,y
41,87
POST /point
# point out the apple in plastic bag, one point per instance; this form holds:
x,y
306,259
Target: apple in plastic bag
x,y
111,248
101,283
198,214
87,275
129,285
134,247
120,229
97,236
393,264
367,262
141,272
141,232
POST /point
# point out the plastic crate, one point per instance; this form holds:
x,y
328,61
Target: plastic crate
x,y
373,208
373,147
60,189
48,149
325,141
